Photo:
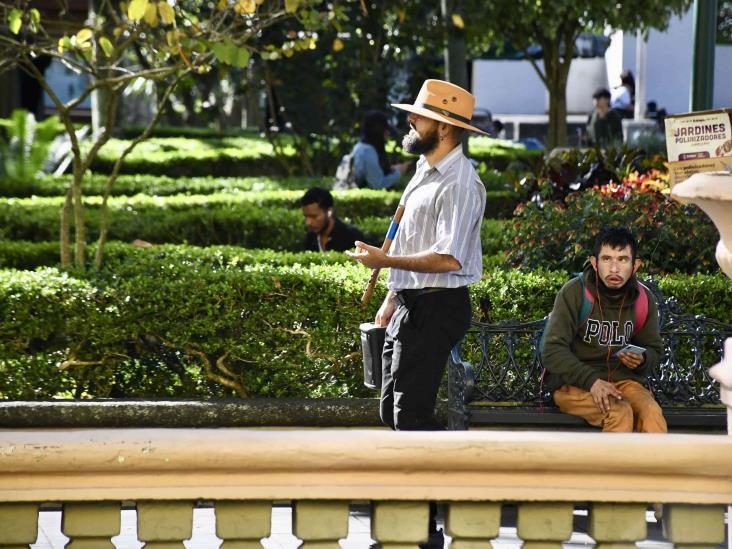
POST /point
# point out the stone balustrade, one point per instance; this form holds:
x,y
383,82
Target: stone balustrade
x,y
166,471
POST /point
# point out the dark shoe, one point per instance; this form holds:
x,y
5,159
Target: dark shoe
x,y
435,541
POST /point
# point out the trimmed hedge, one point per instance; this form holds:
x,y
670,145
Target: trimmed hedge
x,y
275,331
159,185
250,154
198,157
254,220
499,203
22,254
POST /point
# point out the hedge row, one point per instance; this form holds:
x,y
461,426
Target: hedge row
x,y
158,185
254,220
237,156
23,254
266,191
185,330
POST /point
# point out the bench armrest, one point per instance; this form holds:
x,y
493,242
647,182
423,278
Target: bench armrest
x,y
461,377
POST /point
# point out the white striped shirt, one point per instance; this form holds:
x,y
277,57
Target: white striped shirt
x,y
444,207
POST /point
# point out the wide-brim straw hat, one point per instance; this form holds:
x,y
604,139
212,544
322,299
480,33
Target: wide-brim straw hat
x,y
444,102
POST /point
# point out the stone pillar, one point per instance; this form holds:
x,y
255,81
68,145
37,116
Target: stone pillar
x,y
693,526
18,525
473,524
91,525
243,524
544,525
617,525
400,524
164,524
320,524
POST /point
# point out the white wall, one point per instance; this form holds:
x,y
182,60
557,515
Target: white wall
x,y
513,87
668,63
508,87
585,76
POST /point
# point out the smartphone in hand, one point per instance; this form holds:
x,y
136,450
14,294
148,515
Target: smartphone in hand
x,y
634,349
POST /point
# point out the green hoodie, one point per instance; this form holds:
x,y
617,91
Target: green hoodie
x,y
576,355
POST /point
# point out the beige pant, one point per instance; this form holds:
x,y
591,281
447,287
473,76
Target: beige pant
x,y
638,411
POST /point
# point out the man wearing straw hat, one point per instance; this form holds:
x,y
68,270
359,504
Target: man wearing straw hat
x,y
435,254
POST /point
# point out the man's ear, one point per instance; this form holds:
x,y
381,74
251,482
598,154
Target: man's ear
x,y
593,262
636,265
330,213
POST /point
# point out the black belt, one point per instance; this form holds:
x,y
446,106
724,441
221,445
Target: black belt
x,y
408,296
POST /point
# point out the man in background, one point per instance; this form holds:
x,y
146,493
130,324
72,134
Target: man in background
x,y
325,231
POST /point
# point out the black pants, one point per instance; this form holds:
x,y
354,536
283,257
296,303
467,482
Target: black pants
x,y
420,335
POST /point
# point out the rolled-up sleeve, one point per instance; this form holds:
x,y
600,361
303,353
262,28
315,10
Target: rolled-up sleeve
x,y
458,218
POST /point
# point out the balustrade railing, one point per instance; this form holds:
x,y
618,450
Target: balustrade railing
x,y
545,474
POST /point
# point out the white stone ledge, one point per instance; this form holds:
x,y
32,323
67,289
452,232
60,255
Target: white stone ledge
x,y
243,464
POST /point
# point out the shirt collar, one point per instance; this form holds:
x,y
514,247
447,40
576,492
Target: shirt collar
x,y
443,164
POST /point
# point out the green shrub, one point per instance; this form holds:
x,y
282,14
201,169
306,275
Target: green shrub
x,y
499,154
25,255
159,185
671,237
252,220
250,154
21,254
24,152
572,170
189,157
275,331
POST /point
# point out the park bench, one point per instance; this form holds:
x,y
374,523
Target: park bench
x,y
494,374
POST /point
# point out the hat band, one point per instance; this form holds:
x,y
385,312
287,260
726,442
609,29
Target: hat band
x,y
445,112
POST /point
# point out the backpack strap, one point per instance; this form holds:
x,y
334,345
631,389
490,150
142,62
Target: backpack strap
x,y
641,308
588,301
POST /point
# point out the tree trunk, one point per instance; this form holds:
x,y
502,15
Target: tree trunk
x,y
65,236
79,225
456,63
557,71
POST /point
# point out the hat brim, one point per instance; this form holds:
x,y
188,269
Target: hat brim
x,y
436,116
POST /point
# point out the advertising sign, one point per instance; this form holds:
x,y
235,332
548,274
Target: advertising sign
x,y
698,142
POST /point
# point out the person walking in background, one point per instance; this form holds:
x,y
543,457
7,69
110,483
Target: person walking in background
x,y
370,161
604,127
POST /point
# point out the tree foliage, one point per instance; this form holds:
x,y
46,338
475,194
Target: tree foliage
x,y
372,54
120,43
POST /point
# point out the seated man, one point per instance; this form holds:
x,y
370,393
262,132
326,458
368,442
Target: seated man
x,y
325,231
595,315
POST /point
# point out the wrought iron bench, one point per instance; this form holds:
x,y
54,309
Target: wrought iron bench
x,y
494,374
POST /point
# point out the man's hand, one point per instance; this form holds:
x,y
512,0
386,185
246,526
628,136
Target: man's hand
x,y
385,312
369,256
631,360
601,392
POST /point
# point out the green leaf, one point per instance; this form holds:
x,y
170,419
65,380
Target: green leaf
x,y
136,10
291,5
35,19
106,45
241,58
15,20
222,52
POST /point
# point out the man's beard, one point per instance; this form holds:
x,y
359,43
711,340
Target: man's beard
x,y
414,144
